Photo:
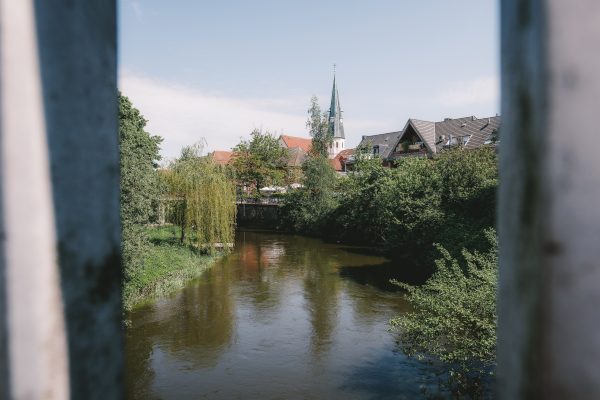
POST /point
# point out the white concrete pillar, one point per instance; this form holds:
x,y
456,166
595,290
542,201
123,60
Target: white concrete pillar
x,y
34,332
60,326
549,206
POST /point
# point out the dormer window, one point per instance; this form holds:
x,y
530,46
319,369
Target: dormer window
x,y
375,150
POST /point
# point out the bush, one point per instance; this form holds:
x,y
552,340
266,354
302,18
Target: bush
x,y
455,316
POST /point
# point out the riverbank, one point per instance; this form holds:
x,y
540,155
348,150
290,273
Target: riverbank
x,y
168,266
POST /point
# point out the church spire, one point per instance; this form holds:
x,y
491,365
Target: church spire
x,y
335,112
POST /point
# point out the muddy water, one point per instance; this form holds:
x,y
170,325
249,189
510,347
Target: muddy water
x,y
283,317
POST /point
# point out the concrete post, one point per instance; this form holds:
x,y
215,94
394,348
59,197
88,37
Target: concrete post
x,y
549,223
60,269
34,355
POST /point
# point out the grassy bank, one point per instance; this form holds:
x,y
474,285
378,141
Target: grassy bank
x,y
167,267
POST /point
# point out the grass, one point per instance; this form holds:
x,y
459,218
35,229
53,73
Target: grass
x,y
168,266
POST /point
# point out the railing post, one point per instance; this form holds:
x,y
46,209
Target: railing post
x,y
549,218
60,329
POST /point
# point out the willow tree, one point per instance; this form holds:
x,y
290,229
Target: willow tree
x,y
203,197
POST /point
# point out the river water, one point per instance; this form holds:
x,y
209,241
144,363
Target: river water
x,y
282,317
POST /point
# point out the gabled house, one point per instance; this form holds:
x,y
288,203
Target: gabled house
x,y
290,142
298,149
425,138
381,145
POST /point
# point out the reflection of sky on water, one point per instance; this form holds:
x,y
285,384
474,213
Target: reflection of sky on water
x,y
281,317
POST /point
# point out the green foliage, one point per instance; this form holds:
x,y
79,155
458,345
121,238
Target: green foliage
x,y
363,209
307,209
202,197
168,266
139,153
260,162
318,128
455,314
449,199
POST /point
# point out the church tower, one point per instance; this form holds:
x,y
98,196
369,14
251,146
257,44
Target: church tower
x,y
336,125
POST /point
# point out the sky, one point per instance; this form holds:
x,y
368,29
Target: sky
x,y
216,70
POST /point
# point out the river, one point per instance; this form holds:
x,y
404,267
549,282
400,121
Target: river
x,y
282,317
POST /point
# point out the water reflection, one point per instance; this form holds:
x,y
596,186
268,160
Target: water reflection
x,y
281,317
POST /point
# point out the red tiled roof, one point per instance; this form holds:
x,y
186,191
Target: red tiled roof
x,y
295,141
222,157
341,157
345,153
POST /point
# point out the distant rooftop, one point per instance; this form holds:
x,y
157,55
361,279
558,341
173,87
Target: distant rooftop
x,y
296,141
221,157
384,141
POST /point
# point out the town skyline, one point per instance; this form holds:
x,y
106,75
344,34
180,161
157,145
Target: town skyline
x,y
216,87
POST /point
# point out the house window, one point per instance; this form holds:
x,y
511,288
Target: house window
x,y
375,150
465,139
336,145
452,141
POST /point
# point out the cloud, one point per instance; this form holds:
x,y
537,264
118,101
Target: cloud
x,y
480,91
183,115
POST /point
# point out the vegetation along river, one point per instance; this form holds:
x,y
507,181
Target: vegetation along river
x,y
282,317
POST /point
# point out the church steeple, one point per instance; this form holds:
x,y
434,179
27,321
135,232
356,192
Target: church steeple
x,y
335,112
336,125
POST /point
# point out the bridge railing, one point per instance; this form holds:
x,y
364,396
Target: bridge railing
x,y
261,200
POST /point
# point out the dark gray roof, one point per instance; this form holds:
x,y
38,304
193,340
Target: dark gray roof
x,y
426,130
385,141
479,129
435,134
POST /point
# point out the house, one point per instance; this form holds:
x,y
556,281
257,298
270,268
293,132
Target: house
x,y
298,149
290,142
296,157
222,157
426,138
342,161
380,145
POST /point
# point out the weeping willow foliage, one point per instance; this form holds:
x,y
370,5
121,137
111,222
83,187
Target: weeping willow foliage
x,y
201,197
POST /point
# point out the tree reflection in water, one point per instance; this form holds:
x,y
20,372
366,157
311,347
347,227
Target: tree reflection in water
x,y
281,317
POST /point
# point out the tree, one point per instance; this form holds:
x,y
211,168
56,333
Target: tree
x,y
260,161
318,128
139,154
455,316
203,195
308,209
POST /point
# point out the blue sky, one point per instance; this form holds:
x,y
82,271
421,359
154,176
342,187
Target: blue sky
x,y
219,69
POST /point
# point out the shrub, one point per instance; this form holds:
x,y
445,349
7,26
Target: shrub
x,y
455,316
